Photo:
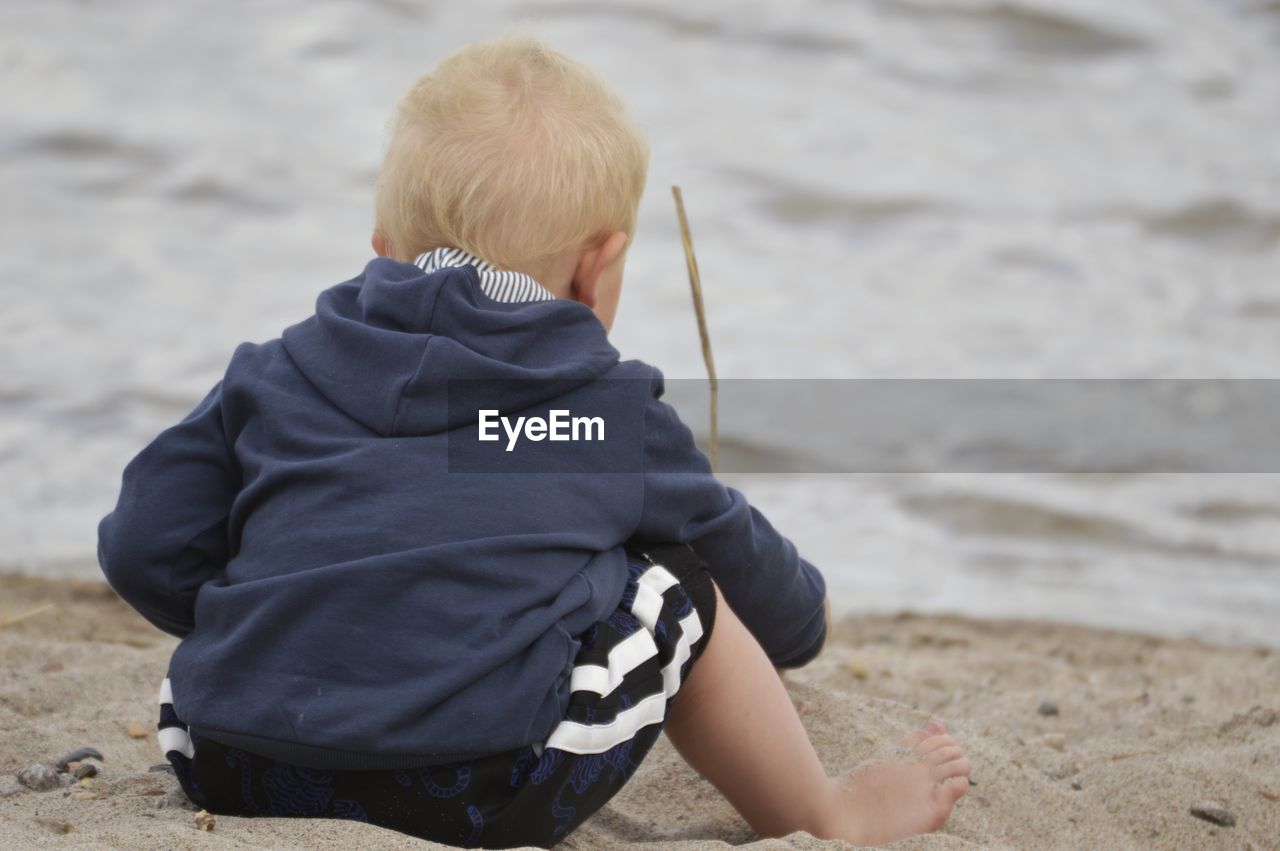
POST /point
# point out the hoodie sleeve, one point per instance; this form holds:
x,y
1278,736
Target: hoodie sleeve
x,y
778,595
168,533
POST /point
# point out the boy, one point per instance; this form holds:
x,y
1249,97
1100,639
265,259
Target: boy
x,y
388,614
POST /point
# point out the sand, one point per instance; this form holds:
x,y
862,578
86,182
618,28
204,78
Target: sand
x,y
1145,729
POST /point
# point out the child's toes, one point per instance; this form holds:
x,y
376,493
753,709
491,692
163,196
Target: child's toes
x,y
952,768
945,754
933,743
928,730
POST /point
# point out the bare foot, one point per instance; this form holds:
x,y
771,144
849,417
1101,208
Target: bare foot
x,y
882,802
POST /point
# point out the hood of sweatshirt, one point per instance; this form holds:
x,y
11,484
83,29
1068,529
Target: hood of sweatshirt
x,y
414,349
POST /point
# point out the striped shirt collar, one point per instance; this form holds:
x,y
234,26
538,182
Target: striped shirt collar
x,y
498,284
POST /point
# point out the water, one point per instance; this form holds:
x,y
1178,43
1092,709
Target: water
x,y
887,189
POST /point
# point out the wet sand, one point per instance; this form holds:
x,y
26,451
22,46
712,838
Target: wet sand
x,y
1080,738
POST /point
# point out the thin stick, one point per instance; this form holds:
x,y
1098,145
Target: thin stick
x,y
695,283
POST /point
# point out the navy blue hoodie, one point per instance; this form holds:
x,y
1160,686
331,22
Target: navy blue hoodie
x,y
358,582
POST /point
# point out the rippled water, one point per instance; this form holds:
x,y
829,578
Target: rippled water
x,y
878,188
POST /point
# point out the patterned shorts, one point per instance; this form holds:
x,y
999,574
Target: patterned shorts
x,y
624,679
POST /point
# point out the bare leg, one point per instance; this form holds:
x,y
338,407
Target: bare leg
x,y
734,723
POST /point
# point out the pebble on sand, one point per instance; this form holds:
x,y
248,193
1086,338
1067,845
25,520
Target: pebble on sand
x,y
204,820
1057,741
137,730
81,770
39,777
1213,811
1047,708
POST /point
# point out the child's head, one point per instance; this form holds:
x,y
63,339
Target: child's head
x,y
521,156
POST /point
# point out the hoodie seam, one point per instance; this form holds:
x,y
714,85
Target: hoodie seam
x,y
422,362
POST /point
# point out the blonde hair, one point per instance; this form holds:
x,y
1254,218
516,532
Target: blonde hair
x,y
513,152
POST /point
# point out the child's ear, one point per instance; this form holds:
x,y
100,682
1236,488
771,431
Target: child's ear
x,y
380,245
592,266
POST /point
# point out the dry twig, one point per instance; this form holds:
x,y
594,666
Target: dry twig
x,y
695,283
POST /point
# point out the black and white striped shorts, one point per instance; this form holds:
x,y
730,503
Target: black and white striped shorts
x,y
625,676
